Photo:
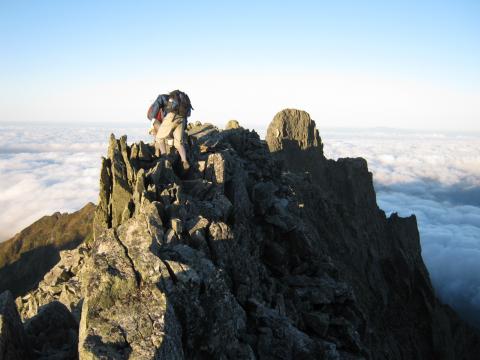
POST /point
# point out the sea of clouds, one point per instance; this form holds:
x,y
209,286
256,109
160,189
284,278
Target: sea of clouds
x,y
44,169
47,168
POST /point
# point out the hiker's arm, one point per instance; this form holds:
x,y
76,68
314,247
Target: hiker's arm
x,y
157,105
154,110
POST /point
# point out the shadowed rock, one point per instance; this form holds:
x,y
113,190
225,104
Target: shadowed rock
x,y
53,332
13,341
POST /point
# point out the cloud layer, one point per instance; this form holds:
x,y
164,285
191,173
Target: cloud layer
x,y
44,169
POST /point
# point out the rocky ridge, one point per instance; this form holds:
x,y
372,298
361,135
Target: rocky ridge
x,y
263,250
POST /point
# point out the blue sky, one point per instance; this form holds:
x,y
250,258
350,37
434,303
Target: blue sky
x,y
106,60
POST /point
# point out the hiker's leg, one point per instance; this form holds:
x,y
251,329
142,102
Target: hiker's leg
x,y
166,127
160,147
179,141
182,152
164,131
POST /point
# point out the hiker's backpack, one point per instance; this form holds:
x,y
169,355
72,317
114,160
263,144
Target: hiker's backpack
x,y
179,103
155,112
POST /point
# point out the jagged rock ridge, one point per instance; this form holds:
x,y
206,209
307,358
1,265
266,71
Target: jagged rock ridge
x,y
263,250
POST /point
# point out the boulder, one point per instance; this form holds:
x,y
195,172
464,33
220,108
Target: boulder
x,y
162,173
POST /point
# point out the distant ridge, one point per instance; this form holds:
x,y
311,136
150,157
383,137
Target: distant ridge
x,y
30,254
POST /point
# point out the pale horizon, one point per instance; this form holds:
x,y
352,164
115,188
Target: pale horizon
x,y
403,65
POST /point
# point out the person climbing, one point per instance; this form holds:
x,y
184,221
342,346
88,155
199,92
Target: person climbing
x,y
168,115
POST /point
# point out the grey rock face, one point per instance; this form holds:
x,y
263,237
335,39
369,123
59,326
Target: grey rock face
x,y
59,284
13,341
122,316
262,250
293,129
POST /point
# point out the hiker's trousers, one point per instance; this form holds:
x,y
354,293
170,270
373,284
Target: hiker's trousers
x,y
172,126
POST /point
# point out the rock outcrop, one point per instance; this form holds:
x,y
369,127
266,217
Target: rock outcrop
x,y
232,124
262,250
297,143
62,283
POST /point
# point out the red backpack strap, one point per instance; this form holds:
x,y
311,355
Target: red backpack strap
x,y
159,116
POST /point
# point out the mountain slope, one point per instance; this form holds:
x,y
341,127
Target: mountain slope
x,y
30,254
262,250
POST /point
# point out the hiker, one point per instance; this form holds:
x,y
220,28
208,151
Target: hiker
x,y
168,115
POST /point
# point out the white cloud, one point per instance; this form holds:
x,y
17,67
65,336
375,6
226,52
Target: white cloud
x,y
44,169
